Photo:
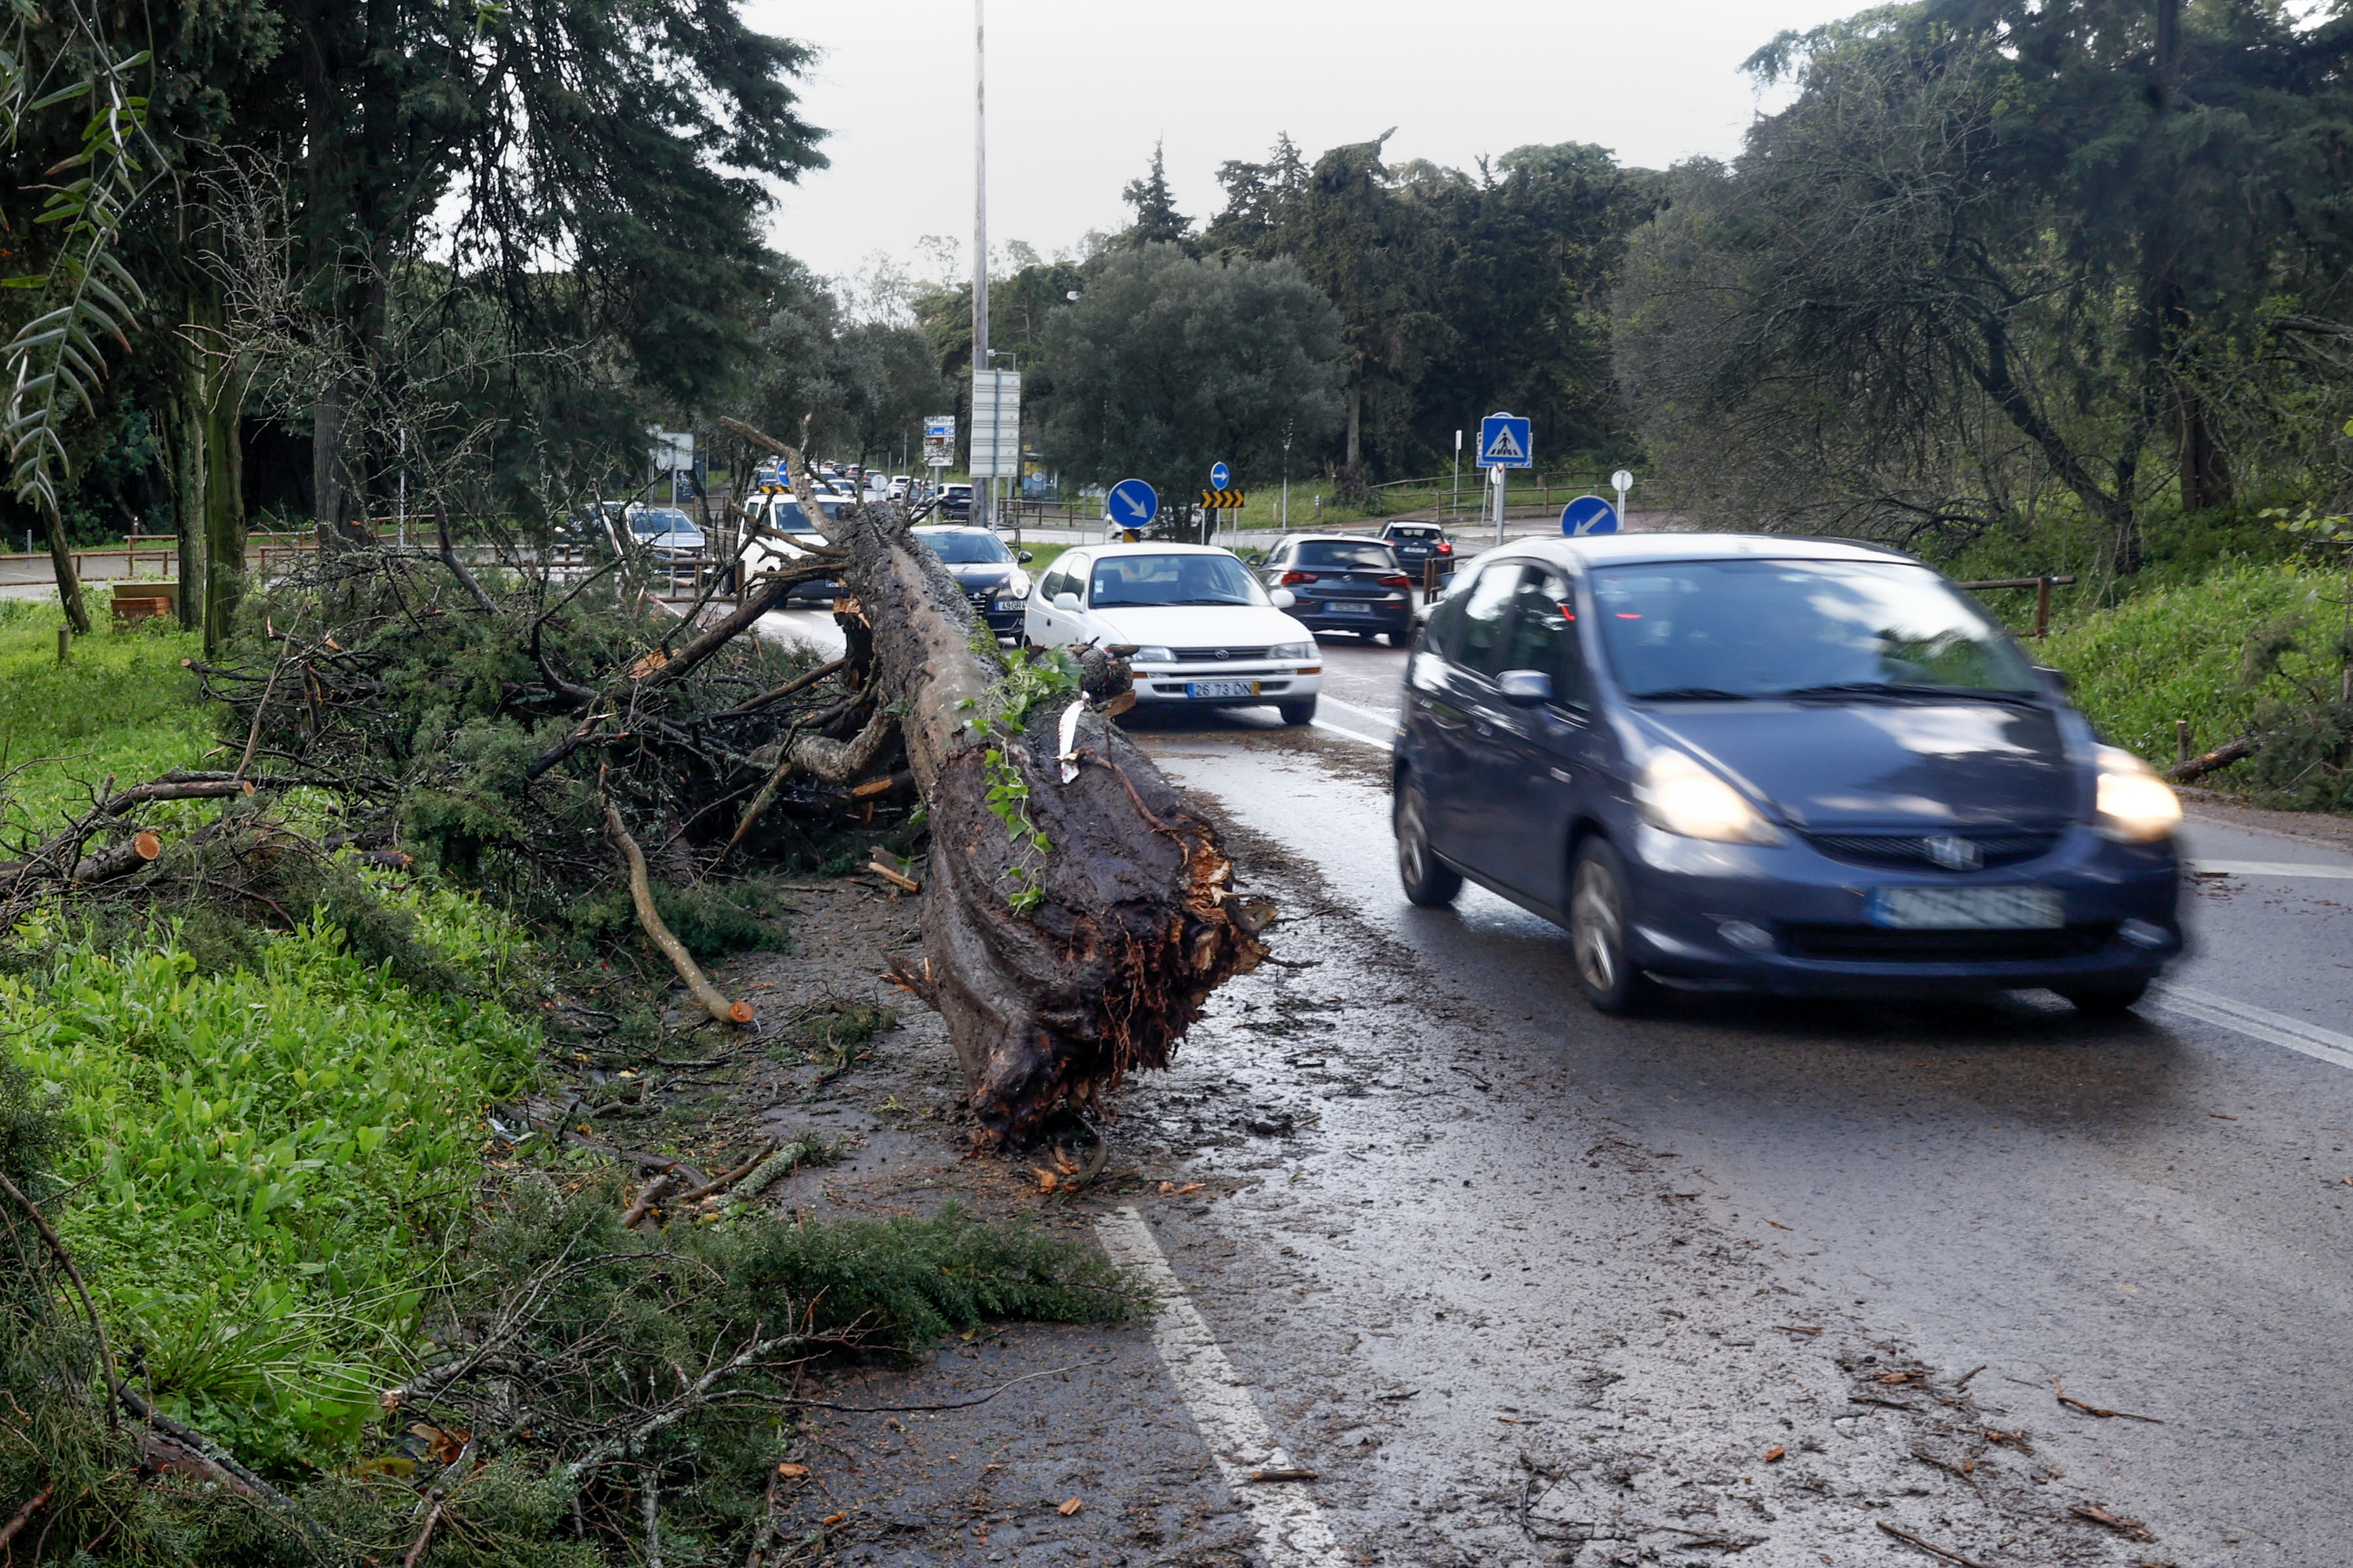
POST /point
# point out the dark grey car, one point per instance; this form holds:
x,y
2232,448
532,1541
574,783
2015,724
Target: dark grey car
x,y
1341,582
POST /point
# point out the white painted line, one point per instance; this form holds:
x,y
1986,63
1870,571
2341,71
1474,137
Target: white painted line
x,y
1371,729
1331,729
2257,1024
2270,868
1290,1525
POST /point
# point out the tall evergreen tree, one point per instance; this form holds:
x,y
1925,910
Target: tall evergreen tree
x,y
1157,221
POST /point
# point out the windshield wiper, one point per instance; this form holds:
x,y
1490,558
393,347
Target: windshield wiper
x,y
1899,689
1692,694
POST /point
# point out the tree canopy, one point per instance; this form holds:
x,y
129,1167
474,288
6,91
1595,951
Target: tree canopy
x,y
1167,364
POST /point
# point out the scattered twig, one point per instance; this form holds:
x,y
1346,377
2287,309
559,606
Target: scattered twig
x,y
722,1183
56,1247
651,1193
2074,1403
2130,1528
433,1517
955,1405
641,894
896,879
16,1522
1930,1546
1265,1476
1964,1378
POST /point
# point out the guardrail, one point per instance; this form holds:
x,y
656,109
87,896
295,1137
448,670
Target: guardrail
x,y
2042,586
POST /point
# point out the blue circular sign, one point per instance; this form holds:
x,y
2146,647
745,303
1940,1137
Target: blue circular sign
x,y
1220,475
1131,504
1588,514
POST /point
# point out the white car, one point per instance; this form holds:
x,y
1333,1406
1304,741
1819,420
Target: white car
x,y
1206,634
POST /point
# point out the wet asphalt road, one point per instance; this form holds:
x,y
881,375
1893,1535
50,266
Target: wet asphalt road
x,y
2152,1209
1528,1285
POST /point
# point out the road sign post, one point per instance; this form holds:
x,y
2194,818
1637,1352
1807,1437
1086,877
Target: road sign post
x,y
1587,515
1505,442
1622,481
1130,507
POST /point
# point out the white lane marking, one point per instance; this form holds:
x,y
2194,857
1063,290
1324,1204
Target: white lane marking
x,y
2270,868
1370,725
1290,1525
2258,1023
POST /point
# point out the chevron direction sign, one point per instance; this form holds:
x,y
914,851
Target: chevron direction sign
x,y
1224,500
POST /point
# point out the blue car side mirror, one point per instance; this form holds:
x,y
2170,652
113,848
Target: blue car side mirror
x,y
1524,687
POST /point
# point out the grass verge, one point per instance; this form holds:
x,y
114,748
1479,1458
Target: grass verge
x,y
119,704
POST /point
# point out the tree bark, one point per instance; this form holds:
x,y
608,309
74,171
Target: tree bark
x,y
68,580
1137,923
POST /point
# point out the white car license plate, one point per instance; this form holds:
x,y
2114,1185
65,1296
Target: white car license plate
x,y
1345,607
1221,688
1966,908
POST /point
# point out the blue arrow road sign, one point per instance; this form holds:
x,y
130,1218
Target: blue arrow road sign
x,y
1505,442
1220,475
1131,504
1588,514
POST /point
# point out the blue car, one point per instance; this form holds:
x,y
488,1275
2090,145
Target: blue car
x,y
1803,766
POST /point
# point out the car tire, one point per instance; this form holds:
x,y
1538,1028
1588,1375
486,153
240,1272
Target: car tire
x,y
1429,882
2106,1001
1401,638
1300,712
1596,933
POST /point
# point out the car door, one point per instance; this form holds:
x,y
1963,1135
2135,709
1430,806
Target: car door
x,y
1458,705
1043,624
1538,760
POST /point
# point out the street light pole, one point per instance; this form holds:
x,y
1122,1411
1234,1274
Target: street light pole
x,y
1454,513
980,234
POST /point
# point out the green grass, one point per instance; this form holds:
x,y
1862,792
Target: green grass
x,y
2174,653
268,1161
121,704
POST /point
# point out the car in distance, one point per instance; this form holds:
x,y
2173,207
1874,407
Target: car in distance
x,y
989,574
955,501
667,531
1206,633
1415,542
1806,766
780,532
1342,583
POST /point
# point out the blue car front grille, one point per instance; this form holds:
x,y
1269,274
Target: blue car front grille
x,y
1913,852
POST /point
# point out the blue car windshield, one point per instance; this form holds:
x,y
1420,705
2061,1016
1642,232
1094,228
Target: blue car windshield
x,y
958,547
1731,629
1128,582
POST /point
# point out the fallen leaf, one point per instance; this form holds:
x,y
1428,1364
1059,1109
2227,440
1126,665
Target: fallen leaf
x,y
1893,1378
1047,1180
2130,1528
1167,1187
1189,1187
791,1471
833,1519
1777,1225
1069,1508
1773,1455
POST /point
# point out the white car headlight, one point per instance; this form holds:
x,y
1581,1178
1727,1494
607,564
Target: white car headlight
x,y
1291,650
1016,587
1153,656
2135,806
1681,797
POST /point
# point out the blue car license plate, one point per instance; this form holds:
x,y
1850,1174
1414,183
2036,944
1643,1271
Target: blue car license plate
x,y
1221,688
1966,908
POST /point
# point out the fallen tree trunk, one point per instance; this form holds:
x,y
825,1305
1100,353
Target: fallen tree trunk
x,y
2215,760
1063,955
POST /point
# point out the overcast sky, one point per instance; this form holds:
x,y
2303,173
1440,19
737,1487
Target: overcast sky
x,y
1079,92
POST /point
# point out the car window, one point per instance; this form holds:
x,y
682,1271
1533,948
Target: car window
x,y
786,517
1347,555
1422,534
1486,610
1760,628
959,548
662,521
1543,635
1137,581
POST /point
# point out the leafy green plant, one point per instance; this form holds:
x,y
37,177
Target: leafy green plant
x,y
267,1162
1031,677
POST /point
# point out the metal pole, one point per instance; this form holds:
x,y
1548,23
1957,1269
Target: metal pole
x,y
1455,510
1499,471
985,492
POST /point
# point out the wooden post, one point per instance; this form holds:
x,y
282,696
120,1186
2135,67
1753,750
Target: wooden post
x,y
2041,606
65,643
1428,577
2181,752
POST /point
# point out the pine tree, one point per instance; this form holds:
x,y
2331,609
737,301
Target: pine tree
x,y
1157,221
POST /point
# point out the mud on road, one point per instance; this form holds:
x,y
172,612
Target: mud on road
x,y
1498,1325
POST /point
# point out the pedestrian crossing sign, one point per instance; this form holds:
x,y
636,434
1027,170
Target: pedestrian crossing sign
x,y
1504,443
